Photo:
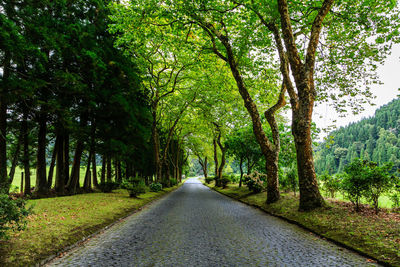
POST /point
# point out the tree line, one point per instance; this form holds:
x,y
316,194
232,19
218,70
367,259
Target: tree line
x,y
70,98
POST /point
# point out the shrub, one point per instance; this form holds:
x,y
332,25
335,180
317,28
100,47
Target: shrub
x,y
209,179
331,184
255,181
135,186
12,215
366,178
288,179
155,187
395,196
173,181
234,178
224,181
108,187
379,181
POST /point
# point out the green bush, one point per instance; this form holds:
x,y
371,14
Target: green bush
x,y
288,179
379,182
234,178
108,187
12,215
224,181
155,187
209,179
255,181
364,178
135,186
395,195
331,184
173,182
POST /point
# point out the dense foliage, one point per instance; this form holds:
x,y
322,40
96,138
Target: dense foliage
x,y
13,215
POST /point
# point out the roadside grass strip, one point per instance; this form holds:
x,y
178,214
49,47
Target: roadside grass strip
x,y
57,223
377,236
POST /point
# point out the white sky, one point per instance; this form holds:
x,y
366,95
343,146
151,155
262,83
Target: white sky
x,y
390,76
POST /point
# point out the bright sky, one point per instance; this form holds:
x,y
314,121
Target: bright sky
x,y
390,76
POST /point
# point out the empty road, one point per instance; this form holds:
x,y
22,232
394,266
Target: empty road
x,y
195,226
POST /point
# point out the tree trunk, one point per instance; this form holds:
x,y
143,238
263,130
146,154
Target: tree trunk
x,y
4,182
118,171
60,173
66,158
215,158
94,170
302,102
26,152
310,197
52,163
15,158
22,183
41,179
109,171
205,167
103,169
241,171
93,150
86,183
73,183
156,143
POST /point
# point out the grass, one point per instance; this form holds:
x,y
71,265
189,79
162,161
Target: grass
x,y
62,221
375,235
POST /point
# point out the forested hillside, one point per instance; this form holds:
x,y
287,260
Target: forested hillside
x,y
376,139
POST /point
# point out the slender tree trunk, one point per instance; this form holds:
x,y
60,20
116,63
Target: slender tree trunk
x,y
109,170
215,158
66,158
60,173
22,183
4,182
248,166
103,169
94,170
26,162
156,142
222,164
241,171
73,183
41,179
15,158
93,150
118,171
52,164
86,183
205,167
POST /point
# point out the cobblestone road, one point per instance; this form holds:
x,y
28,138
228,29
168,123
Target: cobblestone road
x,y
195,226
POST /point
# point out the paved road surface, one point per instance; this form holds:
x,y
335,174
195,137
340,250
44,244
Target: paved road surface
x,y
195,226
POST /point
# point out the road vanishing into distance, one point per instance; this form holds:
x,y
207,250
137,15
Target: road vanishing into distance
x,y
195,226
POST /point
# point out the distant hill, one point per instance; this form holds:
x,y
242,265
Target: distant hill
x,y
376,138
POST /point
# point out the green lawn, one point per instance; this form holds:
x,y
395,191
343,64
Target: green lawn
x,y
384,201
62,221
375,235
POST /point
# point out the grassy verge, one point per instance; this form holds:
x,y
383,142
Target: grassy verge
x,y
62,221
375,235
